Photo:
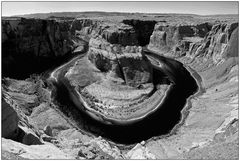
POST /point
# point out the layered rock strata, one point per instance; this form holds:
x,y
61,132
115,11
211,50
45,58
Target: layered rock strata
x,y
177,37
217,66
121,83
214,56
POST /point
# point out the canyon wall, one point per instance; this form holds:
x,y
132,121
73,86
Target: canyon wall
x,y
210,48
203,40
177,37
35,37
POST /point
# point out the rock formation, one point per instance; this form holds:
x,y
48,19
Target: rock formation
x,y
121,68
127,63
177,37
116,82
40,38
9,121
215,42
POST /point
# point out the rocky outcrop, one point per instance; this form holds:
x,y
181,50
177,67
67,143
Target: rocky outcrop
x,y
9,121
176,37
18,95
215,58
41,38
123,78
208,40
114,33
140,152
143,29
32,45
216,44
127,63
46,151
15,128
232,49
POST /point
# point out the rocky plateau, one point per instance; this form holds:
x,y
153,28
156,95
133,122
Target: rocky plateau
x,y
120,86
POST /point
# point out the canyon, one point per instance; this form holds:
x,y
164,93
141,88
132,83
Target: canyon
x,y
121,86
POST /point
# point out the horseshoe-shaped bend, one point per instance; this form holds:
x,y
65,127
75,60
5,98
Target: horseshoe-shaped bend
x,y
119,86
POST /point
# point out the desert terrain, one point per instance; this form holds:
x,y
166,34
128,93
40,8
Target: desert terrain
x,y
111,85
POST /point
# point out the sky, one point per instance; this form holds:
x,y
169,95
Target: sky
x,y
201,8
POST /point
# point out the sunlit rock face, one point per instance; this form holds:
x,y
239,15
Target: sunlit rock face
x,y
126,63
177,37
232,47
207,39
119,33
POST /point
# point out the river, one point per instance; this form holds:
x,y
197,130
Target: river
x,y
161,122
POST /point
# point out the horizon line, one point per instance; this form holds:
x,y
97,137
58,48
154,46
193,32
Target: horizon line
x,y
117,12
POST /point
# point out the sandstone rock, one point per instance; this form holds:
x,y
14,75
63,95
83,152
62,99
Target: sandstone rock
x,y
43,116
216,41
83,26
143,29
107,148
45,151
123,35
37,43
48,130
114,33
73,134
232,47
78,50
29,137
127,63
48,138
9,121
36,37
92,152
140,152
215,105
166,36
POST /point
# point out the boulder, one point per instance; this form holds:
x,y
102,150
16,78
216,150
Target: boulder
x,y
48,130
140,152
106,148
9,121
28,136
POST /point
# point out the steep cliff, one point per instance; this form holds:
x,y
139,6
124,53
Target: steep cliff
x,y
176,37
143,29
114,33
34,45
35,37
215,43
203,40
127,63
